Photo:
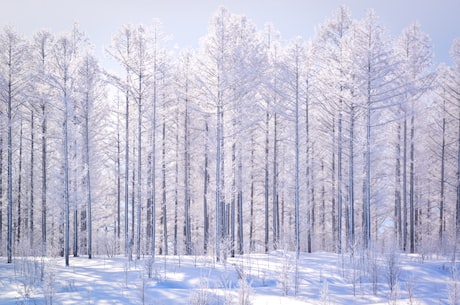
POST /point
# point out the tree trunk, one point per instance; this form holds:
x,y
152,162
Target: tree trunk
x,y
252,243
398,216
220,183
276,214
139,168
442,188
19,196
127,243
74,182
187,231
89,226
118,164
176,195
148,225
405,184
66,176
223,205
266,193
323,209
412,184
133,203
164,221
333,188
205,191
9,247
457,205
351,178
339,177
153,171
367,166
32,189
240,204
297,164
44,178
75,217
308,180
234,193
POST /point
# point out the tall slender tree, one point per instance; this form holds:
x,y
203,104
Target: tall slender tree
x,y
333,44
121,50
62,82
41,53
414,49
89,90
373,68
216,86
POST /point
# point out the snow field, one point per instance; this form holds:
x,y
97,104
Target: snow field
x,y
321,278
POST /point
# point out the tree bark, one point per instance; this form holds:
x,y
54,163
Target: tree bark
x,y
398,214
351,178
163,204
276,214
412,184
266,193
442,186
188,236
297,164
66,174
88,181
19,196
32,183
9,247
205,190
44,177
252,243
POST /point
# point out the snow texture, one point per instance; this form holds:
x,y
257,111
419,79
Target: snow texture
x,y
323,278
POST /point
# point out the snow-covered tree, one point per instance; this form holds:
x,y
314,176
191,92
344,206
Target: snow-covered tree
x,y
414,51
13,79
374,78
333,44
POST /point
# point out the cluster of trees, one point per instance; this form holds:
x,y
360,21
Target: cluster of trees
x,y
50,87
249,143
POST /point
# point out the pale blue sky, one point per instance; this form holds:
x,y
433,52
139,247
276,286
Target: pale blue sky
x,y
187,21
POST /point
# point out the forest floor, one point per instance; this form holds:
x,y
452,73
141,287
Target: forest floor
x,y
318,278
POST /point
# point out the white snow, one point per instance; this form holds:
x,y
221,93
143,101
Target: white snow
x,y
323,278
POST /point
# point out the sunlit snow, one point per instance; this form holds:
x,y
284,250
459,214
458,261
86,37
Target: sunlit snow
x,y
323,278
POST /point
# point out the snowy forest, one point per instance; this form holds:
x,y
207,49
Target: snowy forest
x,y
347,141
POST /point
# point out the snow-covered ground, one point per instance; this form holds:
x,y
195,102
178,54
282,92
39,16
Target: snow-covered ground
x,y
320,278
